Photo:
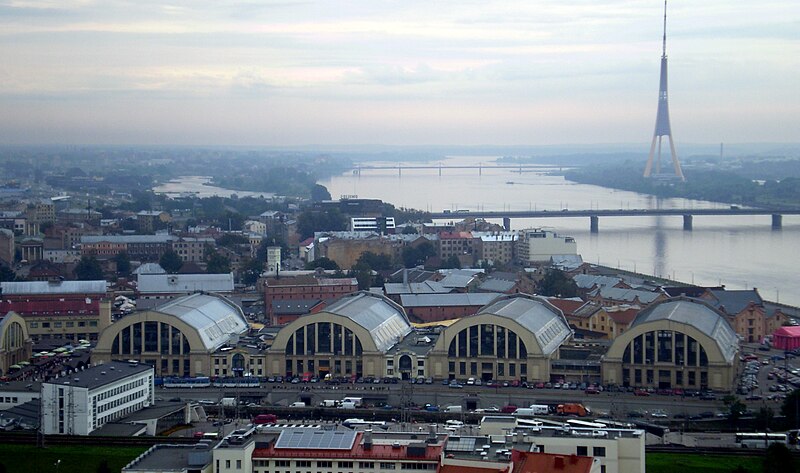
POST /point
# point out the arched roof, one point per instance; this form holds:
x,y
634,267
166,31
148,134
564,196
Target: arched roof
x,y
385,321
697,314
544,320
214,317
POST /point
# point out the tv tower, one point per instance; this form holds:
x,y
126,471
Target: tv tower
x,y
662,119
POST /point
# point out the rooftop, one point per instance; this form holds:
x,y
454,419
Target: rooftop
x,y
214,317
383,319
172,283
171,458
547,322
129,239
100,375
479,299
57,287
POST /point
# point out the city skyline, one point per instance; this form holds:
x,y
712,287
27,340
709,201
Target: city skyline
x,y
285,73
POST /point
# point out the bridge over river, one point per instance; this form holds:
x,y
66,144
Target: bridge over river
x,y
595,214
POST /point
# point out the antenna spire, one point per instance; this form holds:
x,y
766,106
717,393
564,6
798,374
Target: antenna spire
x,y
664,44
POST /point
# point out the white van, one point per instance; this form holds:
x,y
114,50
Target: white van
x,y
455,409
298,404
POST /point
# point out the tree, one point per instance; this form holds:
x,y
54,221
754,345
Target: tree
x,y
414,256
778,459
230,240
88,269
7,274
409,230
170,261
123,263
556,283
251,271
363,274
736,408
378,262
452,263
324,263
103,467
764,418
791,408
319,193
218,264
311,221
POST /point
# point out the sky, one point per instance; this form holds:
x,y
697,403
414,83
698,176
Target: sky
x,y
284,73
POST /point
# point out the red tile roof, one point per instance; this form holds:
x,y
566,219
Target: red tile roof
x,y
358,452
531,462
623,316
473,469
568,307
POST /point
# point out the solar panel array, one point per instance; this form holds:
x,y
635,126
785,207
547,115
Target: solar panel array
x,y
317,439
460,444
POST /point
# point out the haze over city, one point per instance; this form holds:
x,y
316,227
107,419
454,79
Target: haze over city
x,y
295,73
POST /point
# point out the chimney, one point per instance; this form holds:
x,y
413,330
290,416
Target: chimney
x,y
368,439
431,435
405,276
558,463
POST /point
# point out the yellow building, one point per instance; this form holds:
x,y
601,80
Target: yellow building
x,y
676,343
15,343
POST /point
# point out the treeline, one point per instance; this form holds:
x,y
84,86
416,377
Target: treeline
x,y
712,185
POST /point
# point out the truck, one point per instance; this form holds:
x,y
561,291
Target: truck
x,y
453,409
228,402
572,410
534,410
328,403
357,401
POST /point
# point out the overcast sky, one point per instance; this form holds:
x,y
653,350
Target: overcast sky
x,y
261,72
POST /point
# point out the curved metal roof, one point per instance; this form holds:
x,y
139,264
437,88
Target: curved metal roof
x,y
385,321
697,314
214,317
545,321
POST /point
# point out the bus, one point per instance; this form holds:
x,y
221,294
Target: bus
x,y
760,439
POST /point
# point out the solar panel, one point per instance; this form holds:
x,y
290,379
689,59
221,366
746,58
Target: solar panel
x,y
316,439
463,444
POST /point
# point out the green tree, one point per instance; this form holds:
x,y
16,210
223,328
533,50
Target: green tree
x,y
218,264
452,263
319,193
170,261
409,230
230,240
88,269
324,263
311,221
251,271
764,418
378,262
7,274
123,263
736,408
778,459
556,283
363,274
791,408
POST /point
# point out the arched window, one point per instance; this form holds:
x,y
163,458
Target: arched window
x,y
237,362
405,363
626,356
451,351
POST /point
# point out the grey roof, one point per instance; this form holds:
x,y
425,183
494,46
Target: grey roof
x,y
497,285
175,458
627,295
733,302
178,283
58,287
293,307
386,322
566,261
426,287
697,314
101,375
458,278
127,238
448,300
119,429
214,317
543,319
150,268
588,281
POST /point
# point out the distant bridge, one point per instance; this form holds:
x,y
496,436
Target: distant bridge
x,y
595,214
480,167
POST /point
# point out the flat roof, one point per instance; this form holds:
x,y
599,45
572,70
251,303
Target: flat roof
x,y
170,458
101,375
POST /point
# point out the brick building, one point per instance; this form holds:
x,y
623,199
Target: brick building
x,y
305,287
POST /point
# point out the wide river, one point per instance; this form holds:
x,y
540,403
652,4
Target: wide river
x,y
739,252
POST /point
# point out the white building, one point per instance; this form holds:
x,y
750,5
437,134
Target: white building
x,y
85,400
14,393
537,245
372,224
273,259
254,226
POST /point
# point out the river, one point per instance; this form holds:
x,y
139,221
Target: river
x,y
739,252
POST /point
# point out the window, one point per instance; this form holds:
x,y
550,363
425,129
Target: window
x,y
348,465
238,464
388,466
598,451
582,450
366,465
324,464
227,464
